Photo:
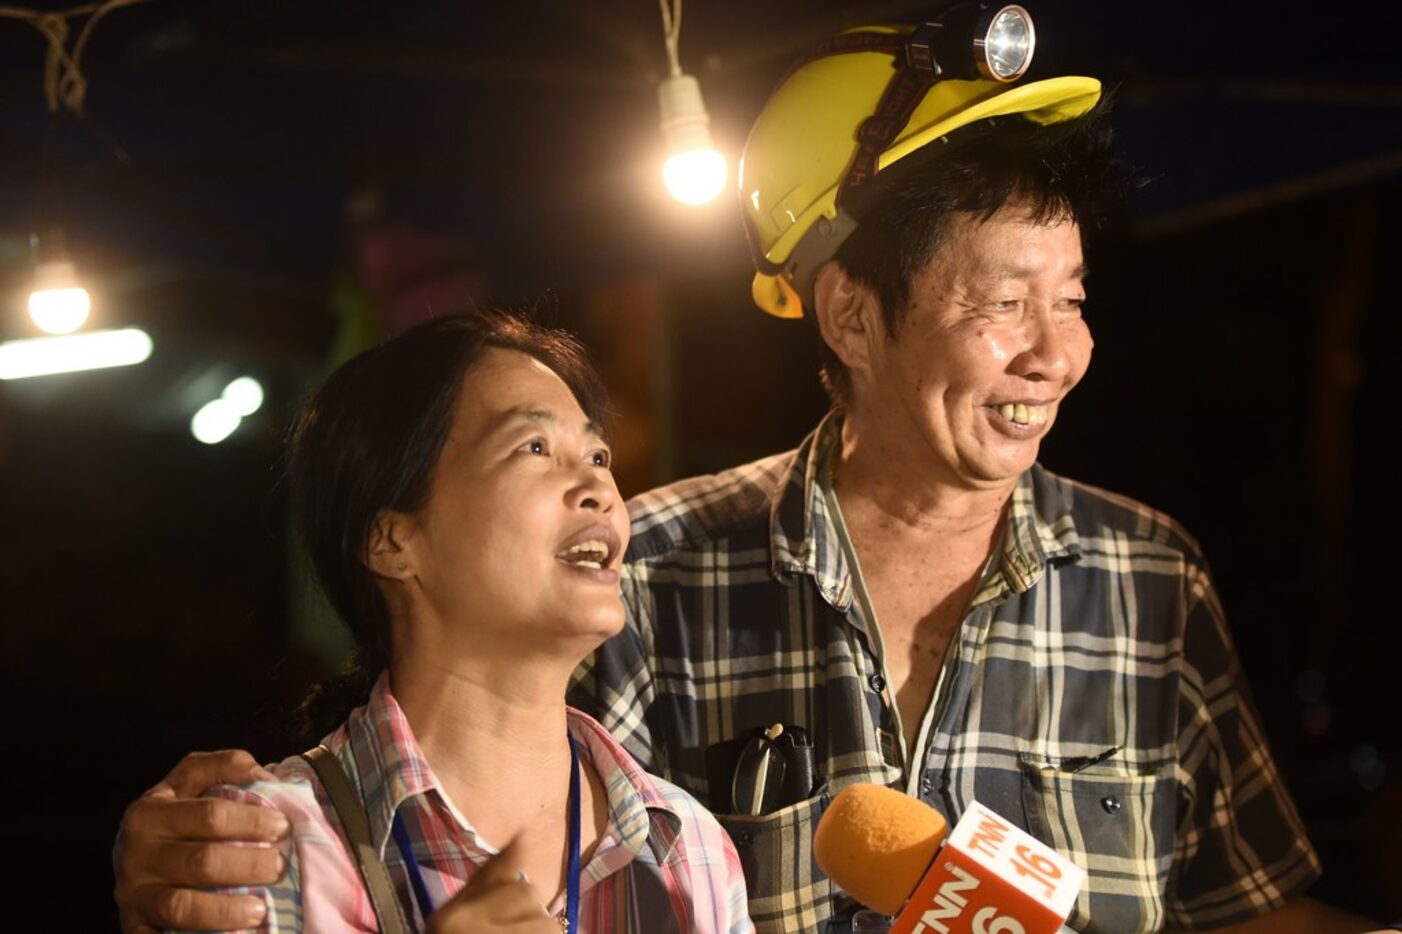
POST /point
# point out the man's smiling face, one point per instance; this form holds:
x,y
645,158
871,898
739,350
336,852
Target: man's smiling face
x,y
991,342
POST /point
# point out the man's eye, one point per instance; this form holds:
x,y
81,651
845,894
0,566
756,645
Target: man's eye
x,y
536,446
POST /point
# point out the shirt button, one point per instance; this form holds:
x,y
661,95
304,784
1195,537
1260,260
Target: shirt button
x,y
926,786
1110,803
744,838
878,683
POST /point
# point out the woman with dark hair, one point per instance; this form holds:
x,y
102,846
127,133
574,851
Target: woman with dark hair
x,y
452,487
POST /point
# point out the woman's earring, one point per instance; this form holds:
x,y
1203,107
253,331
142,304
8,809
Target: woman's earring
x,y
400,566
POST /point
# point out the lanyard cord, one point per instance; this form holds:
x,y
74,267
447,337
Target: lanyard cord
x,y
411,862
572,879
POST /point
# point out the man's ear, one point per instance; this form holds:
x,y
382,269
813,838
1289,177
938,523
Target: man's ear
x,y
848,315
388,552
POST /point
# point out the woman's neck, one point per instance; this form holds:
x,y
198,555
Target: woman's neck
x,y
495,734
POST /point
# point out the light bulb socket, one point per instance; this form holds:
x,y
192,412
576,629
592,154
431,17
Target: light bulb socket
x,y
685,123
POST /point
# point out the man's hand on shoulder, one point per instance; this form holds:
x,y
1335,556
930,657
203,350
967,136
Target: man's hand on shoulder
x,y
172,841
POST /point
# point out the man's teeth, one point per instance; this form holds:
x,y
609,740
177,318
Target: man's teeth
x,y
1024,414
596,550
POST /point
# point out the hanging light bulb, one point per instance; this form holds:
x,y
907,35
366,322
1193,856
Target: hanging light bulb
x,y
695,170
58,303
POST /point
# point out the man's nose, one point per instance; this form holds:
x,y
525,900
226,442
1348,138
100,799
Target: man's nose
x,y
1046,355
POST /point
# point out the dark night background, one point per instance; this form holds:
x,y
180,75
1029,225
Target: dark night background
x,y
265,187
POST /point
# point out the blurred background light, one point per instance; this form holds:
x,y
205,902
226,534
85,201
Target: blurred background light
x,y
45,356
244,395
215,421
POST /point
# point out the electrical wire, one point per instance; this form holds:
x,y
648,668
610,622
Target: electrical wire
x,y
65,86
672,33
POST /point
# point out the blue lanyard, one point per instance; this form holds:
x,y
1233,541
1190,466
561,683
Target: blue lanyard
x,y
416,879
572,878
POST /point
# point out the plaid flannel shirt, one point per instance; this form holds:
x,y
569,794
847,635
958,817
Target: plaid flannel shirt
x,y
662,865
1095,627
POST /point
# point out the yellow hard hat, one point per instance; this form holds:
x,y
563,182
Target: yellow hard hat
x,y
804,143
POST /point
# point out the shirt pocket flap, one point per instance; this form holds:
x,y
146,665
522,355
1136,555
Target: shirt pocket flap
x,y
1116,820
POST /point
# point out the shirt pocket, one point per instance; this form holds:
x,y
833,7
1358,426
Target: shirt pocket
x,y
1116,822
787,891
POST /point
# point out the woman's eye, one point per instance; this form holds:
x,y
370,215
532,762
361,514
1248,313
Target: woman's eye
x,y
601,458
536,446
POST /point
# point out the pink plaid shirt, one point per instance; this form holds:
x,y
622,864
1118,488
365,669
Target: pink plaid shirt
x,y
663,863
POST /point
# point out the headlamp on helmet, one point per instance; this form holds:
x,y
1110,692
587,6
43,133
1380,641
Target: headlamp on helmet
x,y
975,40
982,40
862,100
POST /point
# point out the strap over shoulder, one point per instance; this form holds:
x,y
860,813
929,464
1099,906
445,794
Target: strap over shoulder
x,y
351,811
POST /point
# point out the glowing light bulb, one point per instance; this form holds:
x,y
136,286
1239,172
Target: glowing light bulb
x,y
58,304
695,177
695,172
215,421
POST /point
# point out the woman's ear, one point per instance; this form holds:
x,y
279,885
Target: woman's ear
x,y
388,552
848,316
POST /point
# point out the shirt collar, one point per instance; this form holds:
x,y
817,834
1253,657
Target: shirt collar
x,y
378,748
639,812
1039,532
803,536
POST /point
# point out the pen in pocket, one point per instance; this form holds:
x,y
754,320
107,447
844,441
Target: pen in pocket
x,y
1081,763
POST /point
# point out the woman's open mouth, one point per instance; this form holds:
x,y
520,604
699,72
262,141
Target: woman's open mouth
x,y
593,554
593,550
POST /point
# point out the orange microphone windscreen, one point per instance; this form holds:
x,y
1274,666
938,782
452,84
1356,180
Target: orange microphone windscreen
x,y
876,844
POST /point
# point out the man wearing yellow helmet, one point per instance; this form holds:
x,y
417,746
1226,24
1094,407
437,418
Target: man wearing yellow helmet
x,y
909,598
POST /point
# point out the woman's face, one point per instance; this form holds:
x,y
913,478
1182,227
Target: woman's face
x,y
523,533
